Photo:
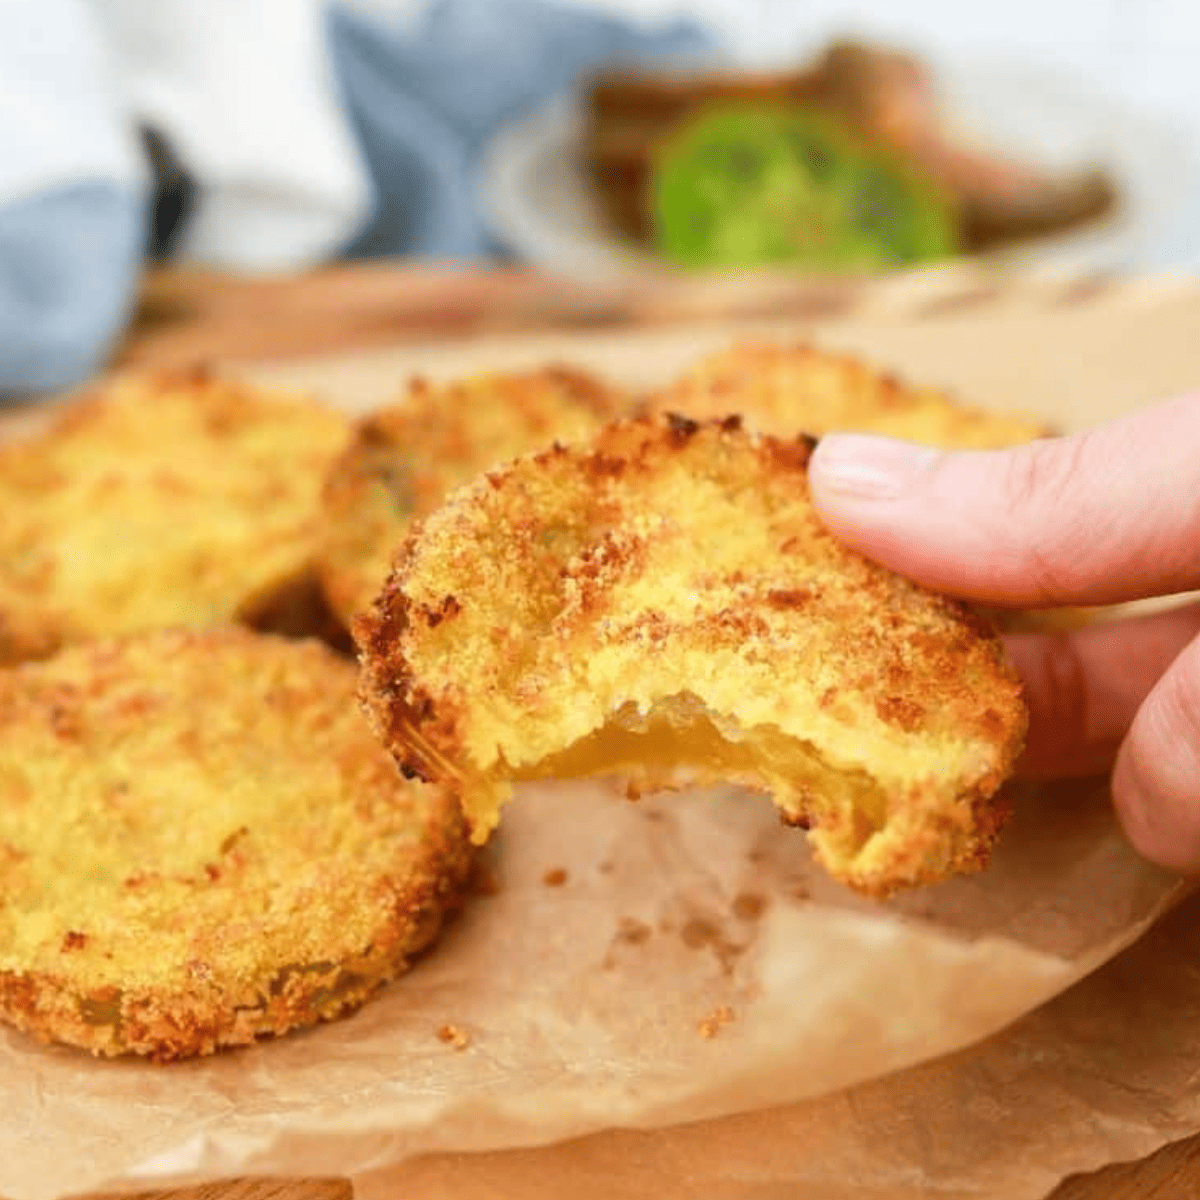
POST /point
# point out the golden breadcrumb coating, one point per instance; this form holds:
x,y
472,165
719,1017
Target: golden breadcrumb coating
x,y
201,843
403,460
787,390
664,600
164,500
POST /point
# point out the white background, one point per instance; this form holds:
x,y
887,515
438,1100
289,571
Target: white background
x,y
1146,52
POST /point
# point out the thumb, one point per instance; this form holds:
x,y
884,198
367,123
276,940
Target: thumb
x,y
1098,517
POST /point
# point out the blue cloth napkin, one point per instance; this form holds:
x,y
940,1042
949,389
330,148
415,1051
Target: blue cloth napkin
x,y
69,264
422,104
426,103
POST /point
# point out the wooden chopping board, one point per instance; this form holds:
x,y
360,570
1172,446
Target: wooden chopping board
x,y
346,330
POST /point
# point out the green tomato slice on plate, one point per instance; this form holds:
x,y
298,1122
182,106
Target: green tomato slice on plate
x,y
744,186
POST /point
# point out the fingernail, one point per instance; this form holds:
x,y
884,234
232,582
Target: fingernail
x,y
866,467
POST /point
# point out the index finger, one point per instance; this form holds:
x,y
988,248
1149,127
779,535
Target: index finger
x,y
1094,518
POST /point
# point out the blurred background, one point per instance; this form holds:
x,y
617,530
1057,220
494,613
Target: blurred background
x,y
597,141
1144,51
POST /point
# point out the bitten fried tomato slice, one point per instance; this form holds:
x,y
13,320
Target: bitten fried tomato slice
x,y
662,603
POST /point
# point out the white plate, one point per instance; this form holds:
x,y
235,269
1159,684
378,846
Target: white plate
x,y
538,200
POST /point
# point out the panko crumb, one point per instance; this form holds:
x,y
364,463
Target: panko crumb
x,y
453,1036
711,1025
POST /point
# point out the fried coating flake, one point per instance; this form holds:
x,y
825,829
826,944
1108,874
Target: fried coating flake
x,y
790,389
403,460
164,500
201,843
664,600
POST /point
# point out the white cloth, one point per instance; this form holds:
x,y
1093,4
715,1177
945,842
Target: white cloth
x,y
62,117
307,131
240,88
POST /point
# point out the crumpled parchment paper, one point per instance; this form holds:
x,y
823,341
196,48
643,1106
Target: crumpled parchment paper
x,y
637,965
1105,1073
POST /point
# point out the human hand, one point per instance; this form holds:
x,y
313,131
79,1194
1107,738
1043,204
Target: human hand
x,y
1095,518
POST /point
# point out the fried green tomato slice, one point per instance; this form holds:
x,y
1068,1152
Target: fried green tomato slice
x,y
662,602
201,843
161,500
402,461
744,185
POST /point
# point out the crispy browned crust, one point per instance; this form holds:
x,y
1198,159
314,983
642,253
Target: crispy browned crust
x,y
462,662
403,460
155,962
167,499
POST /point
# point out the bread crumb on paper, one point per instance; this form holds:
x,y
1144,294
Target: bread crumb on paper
x,y
633,931
453,1036
711,1025
749,906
